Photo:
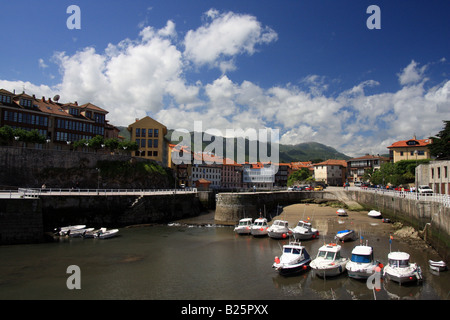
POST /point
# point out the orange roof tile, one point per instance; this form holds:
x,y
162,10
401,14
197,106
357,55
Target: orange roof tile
x,y
404,143
332,162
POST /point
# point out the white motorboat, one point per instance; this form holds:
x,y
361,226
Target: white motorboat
x,y
374,214
293,260
259,227
361,264
104,233
79,232
279,230
244,226
437,265
341,212
304,231
346,235
400,270
329,262
65,230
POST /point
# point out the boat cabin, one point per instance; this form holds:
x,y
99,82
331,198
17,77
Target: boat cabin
x,y
398,259
362,254
260,222
304,224
281,223
329,252
245,222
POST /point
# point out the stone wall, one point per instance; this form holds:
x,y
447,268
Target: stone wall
x,y
24,167
20,221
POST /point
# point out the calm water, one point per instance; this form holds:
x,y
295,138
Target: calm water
x,y
181,262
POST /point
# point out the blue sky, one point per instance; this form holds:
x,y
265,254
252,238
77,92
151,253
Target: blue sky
x,y
311,69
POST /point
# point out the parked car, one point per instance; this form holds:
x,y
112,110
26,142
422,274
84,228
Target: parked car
x,y
402,188
318,188
309,188
425,189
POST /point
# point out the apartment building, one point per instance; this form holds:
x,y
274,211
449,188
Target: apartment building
x,y
436,175
60,123
149,135
356,167
412,149
331,172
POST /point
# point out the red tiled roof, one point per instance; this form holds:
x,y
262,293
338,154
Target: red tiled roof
x,y
368,157
332,162
404,143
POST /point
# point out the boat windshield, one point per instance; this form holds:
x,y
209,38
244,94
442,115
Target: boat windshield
x,y
398,263
260,223
361,258
293,250
327,255
245,223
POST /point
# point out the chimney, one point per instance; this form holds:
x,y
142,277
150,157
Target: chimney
x,y
43,99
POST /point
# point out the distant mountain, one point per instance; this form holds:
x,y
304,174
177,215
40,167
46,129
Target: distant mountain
x,y
308,151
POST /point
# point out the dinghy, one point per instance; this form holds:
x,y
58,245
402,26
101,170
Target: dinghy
x,y
66,230
437,265
345,235
105,233
374,214
341,212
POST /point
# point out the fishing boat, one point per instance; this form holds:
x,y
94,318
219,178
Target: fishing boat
x,y
374,214
400,270
279,230
329,262
244,226
304,231
259,227
63,231
293,260
341,212
437,265
346,235
104,233
79,232
361,264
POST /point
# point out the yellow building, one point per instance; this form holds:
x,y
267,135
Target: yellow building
x,y
149,135
412,149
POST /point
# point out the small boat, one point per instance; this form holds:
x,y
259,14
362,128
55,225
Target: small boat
x,y
345,235
437,265
104,233
79,232
293,260
400,270
374,214
361,264
279,230
66,230
91,234
304,231
329,262
244,226
259,227
341,212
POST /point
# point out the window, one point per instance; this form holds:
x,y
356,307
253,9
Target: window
x,y
421,152
150,133
401,153
155,143
150,143
143,133
138,132
445,172
138,142
143,143
155,153
156,133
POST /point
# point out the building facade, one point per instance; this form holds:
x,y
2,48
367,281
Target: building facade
x,y
436,175
149,135
331,172
412,149
61,124
356,167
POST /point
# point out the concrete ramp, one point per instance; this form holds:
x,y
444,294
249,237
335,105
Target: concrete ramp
x,y
345,197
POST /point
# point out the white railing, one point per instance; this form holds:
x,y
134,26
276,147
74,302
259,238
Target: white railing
x,y
436,197
38,192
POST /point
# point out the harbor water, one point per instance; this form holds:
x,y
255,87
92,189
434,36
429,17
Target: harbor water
x,y
189,262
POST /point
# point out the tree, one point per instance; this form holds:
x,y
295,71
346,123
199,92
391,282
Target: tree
x,y
440,145
298,176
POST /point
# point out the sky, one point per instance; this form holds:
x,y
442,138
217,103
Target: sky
x,y
314,70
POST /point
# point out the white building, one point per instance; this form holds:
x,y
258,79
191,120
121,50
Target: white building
x,y
436,175
331,172
258,175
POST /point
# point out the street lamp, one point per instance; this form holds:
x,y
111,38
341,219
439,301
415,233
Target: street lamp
x,y
416,173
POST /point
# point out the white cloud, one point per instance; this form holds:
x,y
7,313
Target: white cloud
x,y
411,74
227,35
42,64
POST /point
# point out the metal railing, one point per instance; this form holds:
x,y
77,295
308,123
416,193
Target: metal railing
x,y
436,197
39,192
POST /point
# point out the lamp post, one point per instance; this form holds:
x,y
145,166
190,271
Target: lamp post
x,y
416,171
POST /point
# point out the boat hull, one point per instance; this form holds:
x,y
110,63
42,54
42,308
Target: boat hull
x,y
259,232
290,270
305,236
242,231
324,270
414,275
279,234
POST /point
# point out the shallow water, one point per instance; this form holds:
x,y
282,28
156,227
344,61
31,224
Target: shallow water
x,y
188,262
